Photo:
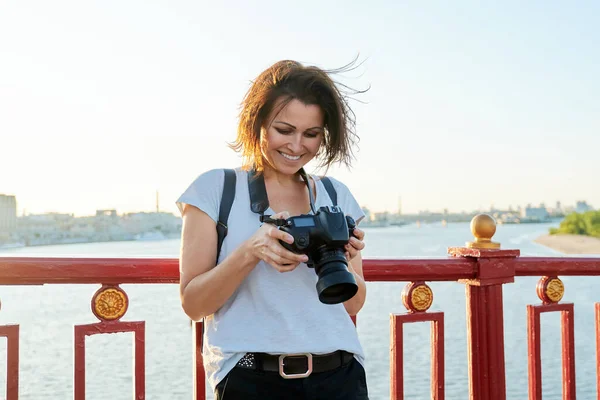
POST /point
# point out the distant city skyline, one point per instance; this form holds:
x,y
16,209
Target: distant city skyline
x,y
103,103
157,208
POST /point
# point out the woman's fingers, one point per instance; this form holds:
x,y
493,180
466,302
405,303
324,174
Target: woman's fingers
x,y
285,254
281,267
359,233
357,243
281,235
351,252
274,253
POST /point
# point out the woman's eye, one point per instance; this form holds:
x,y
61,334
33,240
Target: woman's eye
x,y
283,131
311,135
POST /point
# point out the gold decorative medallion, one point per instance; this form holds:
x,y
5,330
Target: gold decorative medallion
x,y
417,297
550,289
110,303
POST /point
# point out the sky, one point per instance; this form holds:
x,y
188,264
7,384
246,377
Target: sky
x,y
104,103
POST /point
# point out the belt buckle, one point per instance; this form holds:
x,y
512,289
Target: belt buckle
x,y
295,376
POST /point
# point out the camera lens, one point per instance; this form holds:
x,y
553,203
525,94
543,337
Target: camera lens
x,y
335,284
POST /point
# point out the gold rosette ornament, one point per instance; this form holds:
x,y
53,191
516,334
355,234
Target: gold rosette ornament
x,y
417,297
550,289
110,303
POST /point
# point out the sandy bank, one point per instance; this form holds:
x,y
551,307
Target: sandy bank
x,y
571,244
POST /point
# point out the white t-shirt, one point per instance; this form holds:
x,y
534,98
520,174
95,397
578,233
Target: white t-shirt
x,y
270,312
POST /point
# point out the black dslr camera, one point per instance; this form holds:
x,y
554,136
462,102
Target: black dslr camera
x,y
322,238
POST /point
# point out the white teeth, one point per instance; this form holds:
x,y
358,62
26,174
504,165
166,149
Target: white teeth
x,y
293,158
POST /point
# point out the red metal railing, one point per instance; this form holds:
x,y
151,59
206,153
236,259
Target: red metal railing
x,y
482,271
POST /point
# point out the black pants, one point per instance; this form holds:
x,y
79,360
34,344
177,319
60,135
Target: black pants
x,y
347,382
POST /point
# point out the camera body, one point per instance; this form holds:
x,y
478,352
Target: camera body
x,y
328,228
322,238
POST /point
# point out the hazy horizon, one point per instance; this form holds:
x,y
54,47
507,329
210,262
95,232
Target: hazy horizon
x,y
92,211
471,105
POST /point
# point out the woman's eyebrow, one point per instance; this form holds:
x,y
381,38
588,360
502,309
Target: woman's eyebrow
x,y
293,127
290,125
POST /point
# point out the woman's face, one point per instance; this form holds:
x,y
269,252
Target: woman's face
x,y
293,136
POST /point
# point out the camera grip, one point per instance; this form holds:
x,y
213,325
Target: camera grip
x,y
351,225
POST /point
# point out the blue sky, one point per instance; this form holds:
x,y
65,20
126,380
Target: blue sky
x,y
103,103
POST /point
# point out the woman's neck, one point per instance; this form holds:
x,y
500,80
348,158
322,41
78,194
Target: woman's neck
x,y
281,179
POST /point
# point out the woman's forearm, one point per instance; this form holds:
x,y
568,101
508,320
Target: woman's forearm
x,y
206,293
354,305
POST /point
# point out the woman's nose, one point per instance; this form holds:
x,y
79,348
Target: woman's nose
x,y
296,143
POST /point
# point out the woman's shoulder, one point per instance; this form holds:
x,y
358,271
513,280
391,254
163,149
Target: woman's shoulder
x,y
212,180
216,174
337,184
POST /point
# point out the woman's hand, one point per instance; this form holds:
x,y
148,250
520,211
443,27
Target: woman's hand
x,y
265,246
355,244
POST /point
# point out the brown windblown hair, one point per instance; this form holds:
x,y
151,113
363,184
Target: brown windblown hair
x,y
288,80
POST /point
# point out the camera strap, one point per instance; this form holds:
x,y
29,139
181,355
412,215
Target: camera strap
x,y
310,193
225,207
259,201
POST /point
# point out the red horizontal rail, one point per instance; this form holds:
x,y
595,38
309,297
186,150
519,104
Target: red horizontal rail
x,y
35,271
554,266
39,271
443,269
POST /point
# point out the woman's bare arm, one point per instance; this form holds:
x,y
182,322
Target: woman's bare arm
x,y
204,288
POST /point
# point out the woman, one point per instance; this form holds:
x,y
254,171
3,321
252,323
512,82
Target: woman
x,y
259,302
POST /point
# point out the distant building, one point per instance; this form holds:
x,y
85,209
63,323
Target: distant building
x,y
558,207
367,212
8,214
535,213
106,221
146,222
44,225
582,206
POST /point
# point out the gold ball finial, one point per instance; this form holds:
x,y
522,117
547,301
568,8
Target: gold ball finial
x,y
483,227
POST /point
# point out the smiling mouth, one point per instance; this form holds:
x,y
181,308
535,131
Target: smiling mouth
x,y
288,157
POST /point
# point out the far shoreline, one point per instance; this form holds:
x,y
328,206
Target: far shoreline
x,y
570,244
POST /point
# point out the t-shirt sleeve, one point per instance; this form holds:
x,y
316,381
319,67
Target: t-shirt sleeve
x,y
204,193
347,202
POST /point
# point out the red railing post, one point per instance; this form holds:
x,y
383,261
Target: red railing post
x,y
597,313
109,304
485,318
417,298
535,350
198,367
11,333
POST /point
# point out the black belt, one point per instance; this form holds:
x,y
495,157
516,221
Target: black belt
x,y
295,365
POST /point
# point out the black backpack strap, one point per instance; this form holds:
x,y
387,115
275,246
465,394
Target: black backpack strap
x,y
225,207
330,189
